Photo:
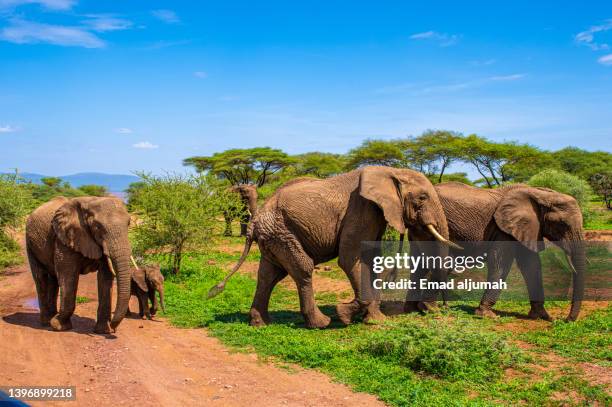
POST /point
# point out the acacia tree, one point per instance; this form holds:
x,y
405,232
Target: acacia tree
x,y
433,151
242,165
177,213
320,165
376,152
602,186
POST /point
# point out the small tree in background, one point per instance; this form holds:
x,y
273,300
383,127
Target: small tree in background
x,y
51,182
177,213
565,183
376,152
602,186
93,190
242,165
320,165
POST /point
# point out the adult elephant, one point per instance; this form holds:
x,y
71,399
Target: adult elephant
x,y
69,237
517,213
309,221
248,209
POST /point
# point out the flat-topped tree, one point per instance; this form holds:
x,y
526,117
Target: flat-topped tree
x,y
242,165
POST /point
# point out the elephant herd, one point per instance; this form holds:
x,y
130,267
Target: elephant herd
x,y
308,221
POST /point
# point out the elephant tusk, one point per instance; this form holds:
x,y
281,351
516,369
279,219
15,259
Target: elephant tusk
x,y
439,237
569,261
110,265
134,262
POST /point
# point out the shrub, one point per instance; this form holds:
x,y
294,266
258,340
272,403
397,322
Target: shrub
x,y
565,183
177,213
15,202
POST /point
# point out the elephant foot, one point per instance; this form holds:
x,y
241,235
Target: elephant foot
x,y
373,314
153,311
45,320
257,320
428,306
58,325
485,312
411,306
537,311
346,311
103,328
317,320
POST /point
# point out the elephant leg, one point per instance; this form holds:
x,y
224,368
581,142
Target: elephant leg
x,y
243,228
153,299
499,264
531,269
300,267
68,284
144,301
46,289
363,302
141,303
268,275
105,284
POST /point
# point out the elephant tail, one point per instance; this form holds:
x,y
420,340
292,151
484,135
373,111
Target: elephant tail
x,y
217,289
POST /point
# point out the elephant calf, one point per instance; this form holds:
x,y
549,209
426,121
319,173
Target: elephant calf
x,y
145,281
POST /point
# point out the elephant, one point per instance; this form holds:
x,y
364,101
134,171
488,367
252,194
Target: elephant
x,y
524,214
69,237
248,197
146,280
309,221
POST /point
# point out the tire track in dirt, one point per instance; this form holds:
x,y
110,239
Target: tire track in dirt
x,y
147,362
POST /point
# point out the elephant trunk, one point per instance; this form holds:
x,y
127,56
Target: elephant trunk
x,y
578,259
120,256
161,297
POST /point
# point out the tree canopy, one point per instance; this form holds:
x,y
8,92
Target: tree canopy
x,y
242,165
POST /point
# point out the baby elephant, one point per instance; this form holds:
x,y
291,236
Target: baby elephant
x,y
145,281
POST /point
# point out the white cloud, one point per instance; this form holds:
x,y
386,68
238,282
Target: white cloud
x,y
7,129
513,77
200,74
124,130
145,145
106,22
587,37
49,4
605,60
430,88
167,16
28,32
443,39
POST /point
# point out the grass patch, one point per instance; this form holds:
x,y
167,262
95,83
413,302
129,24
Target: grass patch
x,y
587,340
82,300
448,359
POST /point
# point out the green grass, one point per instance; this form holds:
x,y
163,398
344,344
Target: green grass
x,y
452,358
82,300
599,217
586,340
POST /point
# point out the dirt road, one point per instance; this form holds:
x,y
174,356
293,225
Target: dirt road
x,y
146,362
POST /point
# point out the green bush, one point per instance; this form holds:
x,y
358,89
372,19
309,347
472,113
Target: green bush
x,y
177,213
15,202
565,183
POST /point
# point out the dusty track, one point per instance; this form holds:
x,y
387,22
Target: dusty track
x,y
146,363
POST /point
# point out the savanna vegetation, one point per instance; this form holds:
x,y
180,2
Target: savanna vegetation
x,y
450,358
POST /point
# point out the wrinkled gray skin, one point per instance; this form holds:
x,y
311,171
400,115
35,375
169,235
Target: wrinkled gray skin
x,y
517,213
310,221
248,197
146,280
69,237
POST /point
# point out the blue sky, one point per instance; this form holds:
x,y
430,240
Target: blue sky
x,y
115,86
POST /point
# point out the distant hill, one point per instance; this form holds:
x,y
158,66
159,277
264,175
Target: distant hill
x,y
113,182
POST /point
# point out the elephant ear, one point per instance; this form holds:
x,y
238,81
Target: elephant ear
x,y
138,276
519,215
379,185
71,228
